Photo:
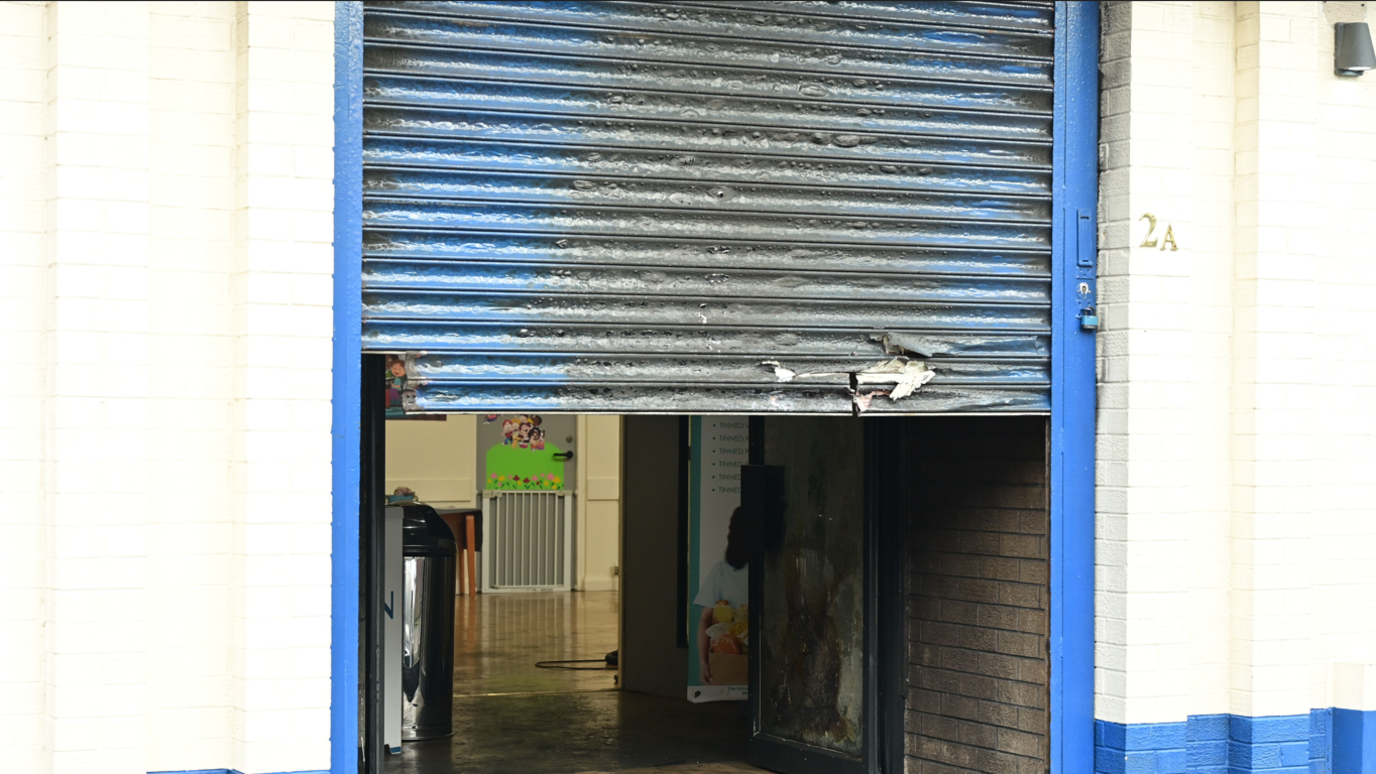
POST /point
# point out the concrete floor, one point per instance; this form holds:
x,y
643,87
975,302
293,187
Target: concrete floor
x,y
510,716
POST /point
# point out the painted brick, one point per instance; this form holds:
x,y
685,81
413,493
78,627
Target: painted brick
x,y
1216,446
1247,120
978,633
138,176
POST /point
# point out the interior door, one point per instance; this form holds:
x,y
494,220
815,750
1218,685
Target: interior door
x,y
813,698
527,445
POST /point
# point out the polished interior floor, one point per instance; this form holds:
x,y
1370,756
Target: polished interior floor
x,y
498,638
599,731
510,716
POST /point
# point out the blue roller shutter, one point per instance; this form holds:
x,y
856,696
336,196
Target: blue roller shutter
x,y
710,206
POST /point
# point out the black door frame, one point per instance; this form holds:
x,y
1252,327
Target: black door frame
x,y
885,627
373,462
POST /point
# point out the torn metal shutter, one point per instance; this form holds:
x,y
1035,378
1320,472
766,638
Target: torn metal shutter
x,y
710,206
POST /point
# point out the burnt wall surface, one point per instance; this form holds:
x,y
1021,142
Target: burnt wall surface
x,y
977,596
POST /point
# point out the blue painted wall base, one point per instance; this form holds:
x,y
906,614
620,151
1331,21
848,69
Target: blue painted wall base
x,y
1354,742
228,771
1325,741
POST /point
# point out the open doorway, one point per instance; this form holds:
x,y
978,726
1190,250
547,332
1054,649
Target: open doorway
x,y
897,603
572,511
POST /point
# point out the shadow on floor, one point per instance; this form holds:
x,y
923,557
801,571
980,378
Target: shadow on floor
x,y
564,733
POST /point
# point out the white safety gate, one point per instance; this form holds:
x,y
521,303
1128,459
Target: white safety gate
x,y
528,541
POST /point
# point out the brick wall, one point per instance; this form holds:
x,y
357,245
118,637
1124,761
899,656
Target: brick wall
x,y
165,268
190,380
1342,407
1165,377
978,594
1235,425
96,402
282,289
22,317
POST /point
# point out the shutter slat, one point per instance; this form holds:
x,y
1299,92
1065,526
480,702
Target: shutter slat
x,y
709,207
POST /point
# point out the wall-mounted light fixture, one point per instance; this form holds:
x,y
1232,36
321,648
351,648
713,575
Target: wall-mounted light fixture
x,y
1352,52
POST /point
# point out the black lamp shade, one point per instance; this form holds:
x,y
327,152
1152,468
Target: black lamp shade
x,y
1352,51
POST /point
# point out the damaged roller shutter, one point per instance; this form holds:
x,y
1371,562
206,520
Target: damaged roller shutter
x,y
821,207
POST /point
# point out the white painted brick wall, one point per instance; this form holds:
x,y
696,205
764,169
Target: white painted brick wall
x,y
23,194
1342,537
1236,427
1158,449
166,284
190,377
164,544
1274,267
281,287
96,407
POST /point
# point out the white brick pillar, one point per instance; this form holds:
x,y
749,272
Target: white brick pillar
x,y
95,416
191,199
1164,429
283,263
1277,163
1156,445
1343,541
23,302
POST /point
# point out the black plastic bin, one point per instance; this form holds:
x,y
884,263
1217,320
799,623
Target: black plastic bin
x,y
427,667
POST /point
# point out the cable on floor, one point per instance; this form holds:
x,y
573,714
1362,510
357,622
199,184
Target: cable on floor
x,y
608,662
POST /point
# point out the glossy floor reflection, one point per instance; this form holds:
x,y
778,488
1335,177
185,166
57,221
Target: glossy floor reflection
x,y
498,638
564,733
510,716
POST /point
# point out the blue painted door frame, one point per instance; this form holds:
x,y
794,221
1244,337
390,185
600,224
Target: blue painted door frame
x,y
1074,261
1072,397
346,404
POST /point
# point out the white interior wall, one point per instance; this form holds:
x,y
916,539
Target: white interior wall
x,y
439,461
599,502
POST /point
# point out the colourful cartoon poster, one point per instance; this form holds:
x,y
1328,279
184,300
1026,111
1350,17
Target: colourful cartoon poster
x,y
398,389
526,458
718,569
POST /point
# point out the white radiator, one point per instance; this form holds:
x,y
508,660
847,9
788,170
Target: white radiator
x,y
527,541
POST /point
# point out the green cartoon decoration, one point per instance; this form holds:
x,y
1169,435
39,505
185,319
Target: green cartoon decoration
x,y
524,460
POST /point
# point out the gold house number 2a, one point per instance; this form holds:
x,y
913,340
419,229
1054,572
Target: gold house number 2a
x,y
1167,238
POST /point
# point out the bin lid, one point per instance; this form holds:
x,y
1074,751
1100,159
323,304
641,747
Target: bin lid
x,y
424,533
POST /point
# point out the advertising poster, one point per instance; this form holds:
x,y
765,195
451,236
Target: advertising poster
x,y
718,574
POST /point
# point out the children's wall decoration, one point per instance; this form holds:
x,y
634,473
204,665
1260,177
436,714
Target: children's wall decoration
x,y
526,458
